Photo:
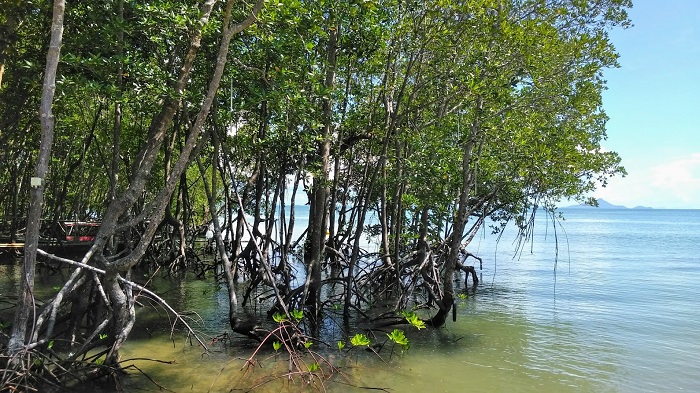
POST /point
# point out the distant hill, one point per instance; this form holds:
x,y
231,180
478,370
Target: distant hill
x,y
603,204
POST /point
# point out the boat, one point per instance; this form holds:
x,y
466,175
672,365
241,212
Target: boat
x,y
66,237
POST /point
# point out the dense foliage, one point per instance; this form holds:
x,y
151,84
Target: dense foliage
x,y
433,118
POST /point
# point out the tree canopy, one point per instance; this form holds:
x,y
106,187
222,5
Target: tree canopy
x,y
413,122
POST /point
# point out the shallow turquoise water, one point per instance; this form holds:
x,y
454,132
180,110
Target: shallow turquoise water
x,y
619,315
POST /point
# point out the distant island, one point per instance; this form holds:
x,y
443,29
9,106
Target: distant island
x,y
603,204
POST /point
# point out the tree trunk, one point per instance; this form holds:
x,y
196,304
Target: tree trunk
x,y
319,204
117,129
460,219
26,293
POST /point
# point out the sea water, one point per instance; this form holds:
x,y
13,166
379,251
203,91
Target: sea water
x,y
605,301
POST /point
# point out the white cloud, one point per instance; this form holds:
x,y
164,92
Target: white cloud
x,y
670,184
679,179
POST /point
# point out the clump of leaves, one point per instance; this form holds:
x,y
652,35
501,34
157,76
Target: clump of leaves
x,y
360,340
279,318
413,319
341,345
277,345
298,315
398,337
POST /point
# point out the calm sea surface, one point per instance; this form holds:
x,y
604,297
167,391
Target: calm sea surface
x,y
620,314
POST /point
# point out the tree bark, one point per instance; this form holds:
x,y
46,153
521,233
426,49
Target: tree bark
x,y
26,293
319,203
156,210
460,219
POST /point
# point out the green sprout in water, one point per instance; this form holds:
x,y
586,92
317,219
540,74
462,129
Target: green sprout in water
x,y
313,367
399,338
279,318
341,345
103,336
308,344
413,319
277,345
298,315
359,340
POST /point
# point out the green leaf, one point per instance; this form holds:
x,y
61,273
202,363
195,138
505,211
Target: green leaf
x,y
298,315
360,340
308,344
277,345
413,319
279,318
341,345
313,367
398,337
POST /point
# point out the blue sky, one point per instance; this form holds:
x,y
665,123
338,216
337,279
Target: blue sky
x,y
654,107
